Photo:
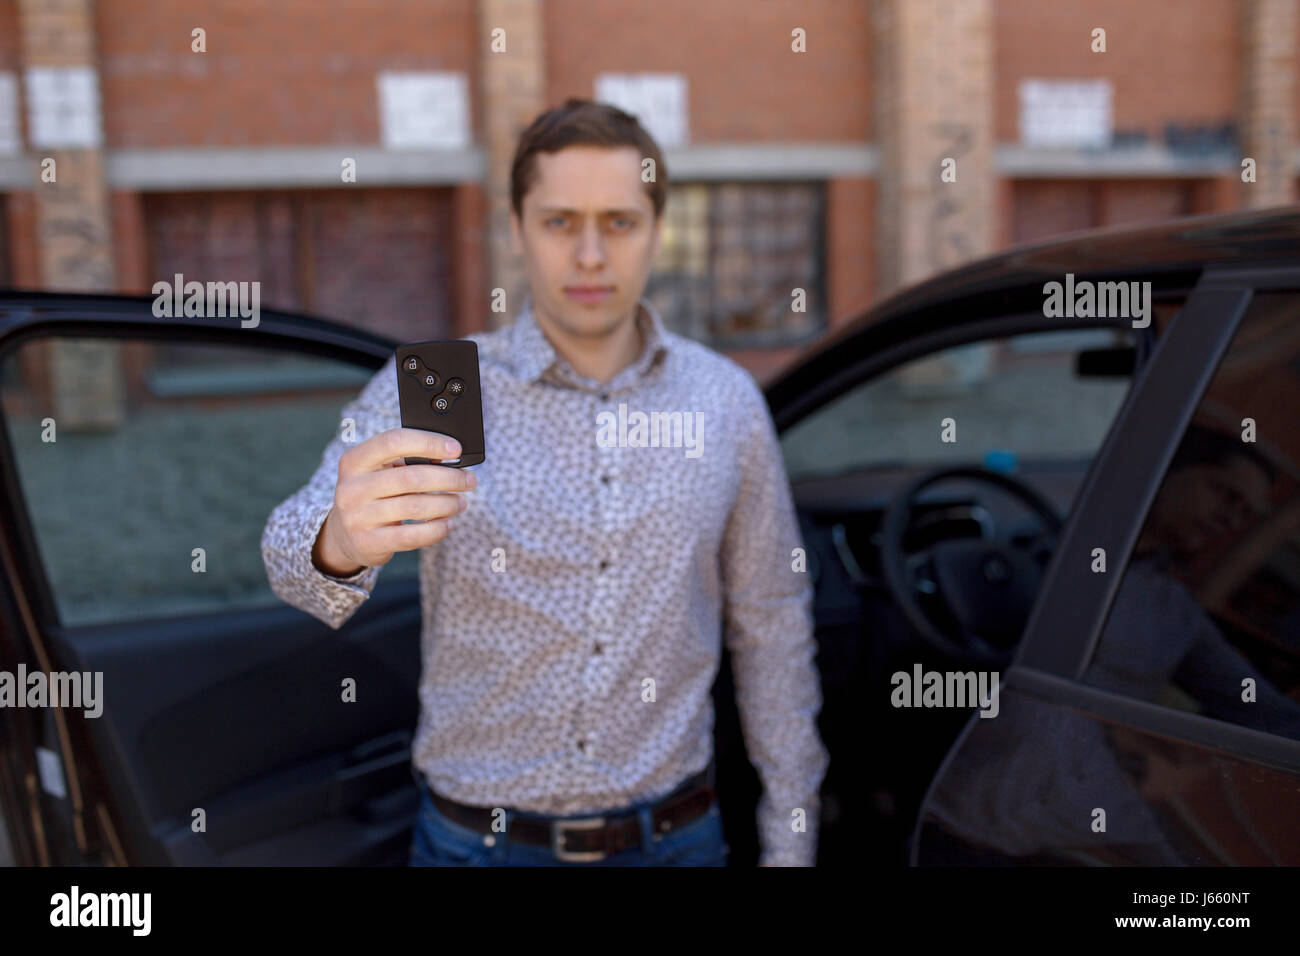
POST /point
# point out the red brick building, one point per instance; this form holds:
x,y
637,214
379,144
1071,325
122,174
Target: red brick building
x,y
816,133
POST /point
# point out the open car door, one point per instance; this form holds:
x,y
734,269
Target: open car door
x,y
140,458
1152,715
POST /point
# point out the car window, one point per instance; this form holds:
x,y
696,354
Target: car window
x,y
1016,397
1206,617
149,469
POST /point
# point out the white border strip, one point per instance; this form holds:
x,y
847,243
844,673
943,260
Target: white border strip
x,y
743,161
1022,162
162,170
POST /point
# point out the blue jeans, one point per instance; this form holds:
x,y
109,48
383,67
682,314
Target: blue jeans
x,y
438,841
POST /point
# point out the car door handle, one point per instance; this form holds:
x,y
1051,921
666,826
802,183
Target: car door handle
x,y
360,782
375,768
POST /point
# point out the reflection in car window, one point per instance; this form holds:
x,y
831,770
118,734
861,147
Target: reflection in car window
x,y
1207,614
191,449
1017,394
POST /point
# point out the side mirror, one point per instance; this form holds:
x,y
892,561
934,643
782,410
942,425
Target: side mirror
x,y
1116,362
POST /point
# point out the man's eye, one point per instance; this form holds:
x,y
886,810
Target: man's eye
x,y
624,223
557,220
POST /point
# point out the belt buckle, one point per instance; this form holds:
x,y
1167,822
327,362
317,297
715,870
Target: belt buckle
x,y
576,856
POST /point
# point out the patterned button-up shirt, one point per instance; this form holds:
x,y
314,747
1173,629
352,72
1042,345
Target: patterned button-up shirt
x,y
573,617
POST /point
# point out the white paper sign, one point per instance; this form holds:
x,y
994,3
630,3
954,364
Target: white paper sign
x,y
63,107
424,110
1066,112
657,100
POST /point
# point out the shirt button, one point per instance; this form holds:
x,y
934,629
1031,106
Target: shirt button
x,y
604,396
600,648
582,745
604,565
604,479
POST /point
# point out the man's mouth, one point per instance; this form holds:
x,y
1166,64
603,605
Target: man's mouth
x,y
589,293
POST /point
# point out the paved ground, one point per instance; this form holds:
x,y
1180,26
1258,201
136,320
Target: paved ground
x,y
119,514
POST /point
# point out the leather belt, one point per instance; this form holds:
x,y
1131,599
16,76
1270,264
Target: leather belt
x,y
587,839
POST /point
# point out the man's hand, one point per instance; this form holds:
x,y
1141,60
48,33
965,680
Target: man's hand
x,y
376,491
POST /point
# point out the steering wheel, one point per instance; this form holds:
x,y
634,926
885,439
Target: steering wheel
x,y
984,588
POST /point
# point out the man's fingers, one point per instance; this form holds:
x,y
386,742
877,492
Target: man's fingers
x,y
409,537
389,511
414,479
396,444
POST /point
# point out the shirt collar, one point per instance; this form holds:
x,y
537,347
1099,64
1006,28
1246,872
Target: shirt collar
x,y
534,355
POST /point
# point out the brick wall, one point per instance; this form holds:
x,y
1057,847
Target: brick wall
x,y
10,57
745,83
1043,209
1267,107
1168,61
512,83
932,89
302,73
292,72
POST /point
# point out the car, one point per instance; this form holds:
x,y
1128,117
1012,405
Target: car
x,y
980,482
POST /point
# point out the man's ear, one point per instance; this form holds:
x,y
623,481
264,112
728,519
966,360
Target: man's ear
x,y
657,242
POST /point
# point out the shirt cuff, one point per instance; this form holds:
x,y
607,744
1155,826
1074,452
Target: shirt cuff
x,y
781,844
328,599
359,584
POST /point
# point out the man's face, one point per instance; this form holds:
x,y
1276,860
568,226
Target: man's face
x,y
588,238
1200,504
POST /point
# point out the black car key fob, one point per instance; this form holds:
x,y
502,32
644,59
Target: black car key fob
x,y
438,391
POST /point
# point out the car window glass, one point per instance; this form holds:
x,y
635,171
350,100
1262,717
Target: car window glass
x,y
1012,398
134,455
1207,614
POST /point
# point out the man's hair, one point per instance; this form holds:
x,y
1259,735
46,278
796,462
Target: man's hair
x,y
1201,444
580,122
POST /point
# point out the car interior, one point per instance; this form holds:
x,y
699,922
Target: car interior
x,y
963,465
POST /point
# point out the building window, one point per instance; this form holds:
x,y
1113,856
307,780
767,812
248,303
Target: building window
x,y
734,255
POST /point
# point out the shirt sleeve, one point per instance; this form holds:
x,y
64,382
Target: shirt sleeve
x,y
291,529
768,628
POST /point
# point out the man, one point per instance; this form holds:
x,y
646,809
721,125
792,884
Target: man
x,y
573,610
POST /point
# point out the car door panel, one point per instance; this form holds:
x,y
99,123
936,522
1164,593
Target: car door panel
x,y
236,708
239,706
1127,733
1071,776
1056,783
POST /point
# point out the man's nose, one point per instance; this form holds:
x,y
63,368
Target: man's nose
x,y
590,252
